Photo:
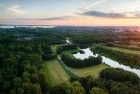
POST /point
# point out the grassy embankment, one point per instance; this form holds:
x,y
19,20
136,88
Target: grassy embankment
x,y
125,50
125,56
129,47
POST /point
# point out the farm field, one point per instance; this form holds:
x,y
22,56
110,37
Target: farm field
x,y
55,73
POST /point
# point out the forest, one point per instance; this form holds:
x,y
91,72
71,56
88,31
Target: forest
x,y
40,61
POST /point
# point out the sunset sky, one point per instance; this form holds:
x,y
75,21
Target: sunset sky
x,y
70,12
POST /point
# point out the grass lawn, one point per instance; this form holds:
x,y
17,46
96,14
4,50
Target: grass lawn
x,y
89,71
55,73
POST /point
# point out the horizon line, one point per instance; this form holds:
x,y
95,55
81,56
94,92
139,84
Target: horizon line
x,y
68,25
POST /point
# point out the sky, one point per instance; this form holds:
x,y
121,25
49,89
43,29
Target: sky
x,y
70,12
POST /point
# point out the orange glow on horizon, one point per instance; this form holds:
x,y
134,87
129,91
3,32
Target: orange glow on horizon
x,y
84,20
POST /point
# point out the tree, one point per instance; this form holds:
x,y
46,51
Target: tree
x,y
17,82
36,89
74,88
96,90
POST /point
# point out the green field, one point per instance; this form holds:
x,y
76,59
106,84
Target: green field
x,y
125,50
55,73
58,73
135,43
89,71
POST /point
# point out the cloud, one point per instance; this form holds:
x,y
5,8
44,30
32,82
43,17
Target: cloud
x,y
52,18
112,14
96,3
90,4
102,14
58,18
17,9
137,14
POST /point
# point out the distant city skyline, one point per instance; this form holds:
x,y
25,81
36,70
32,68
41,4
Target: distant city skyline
x,y
70,12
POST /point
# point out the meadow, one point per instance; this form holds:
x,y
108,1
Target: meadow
x,y
55,73
88,71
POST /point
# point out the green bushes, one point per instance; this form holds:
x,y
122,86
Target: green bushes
x,y
47,52
71,61
62,48
130,59
112,81
68,88
119,75
82,52
96,90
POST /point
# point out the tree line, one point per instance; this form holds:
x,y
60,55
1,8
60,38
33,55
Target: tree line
x,y
71,61
65,47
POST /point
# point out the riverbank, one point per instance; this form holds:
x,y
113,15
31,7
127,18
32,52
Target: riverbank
x,y
123,56
107,60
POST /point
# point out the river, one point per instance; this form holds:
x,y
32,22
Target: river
x,y
106,60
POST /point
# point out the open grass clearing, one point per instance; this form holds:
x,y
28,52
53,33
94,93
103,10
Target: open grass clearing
x,y
55,73
89,71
